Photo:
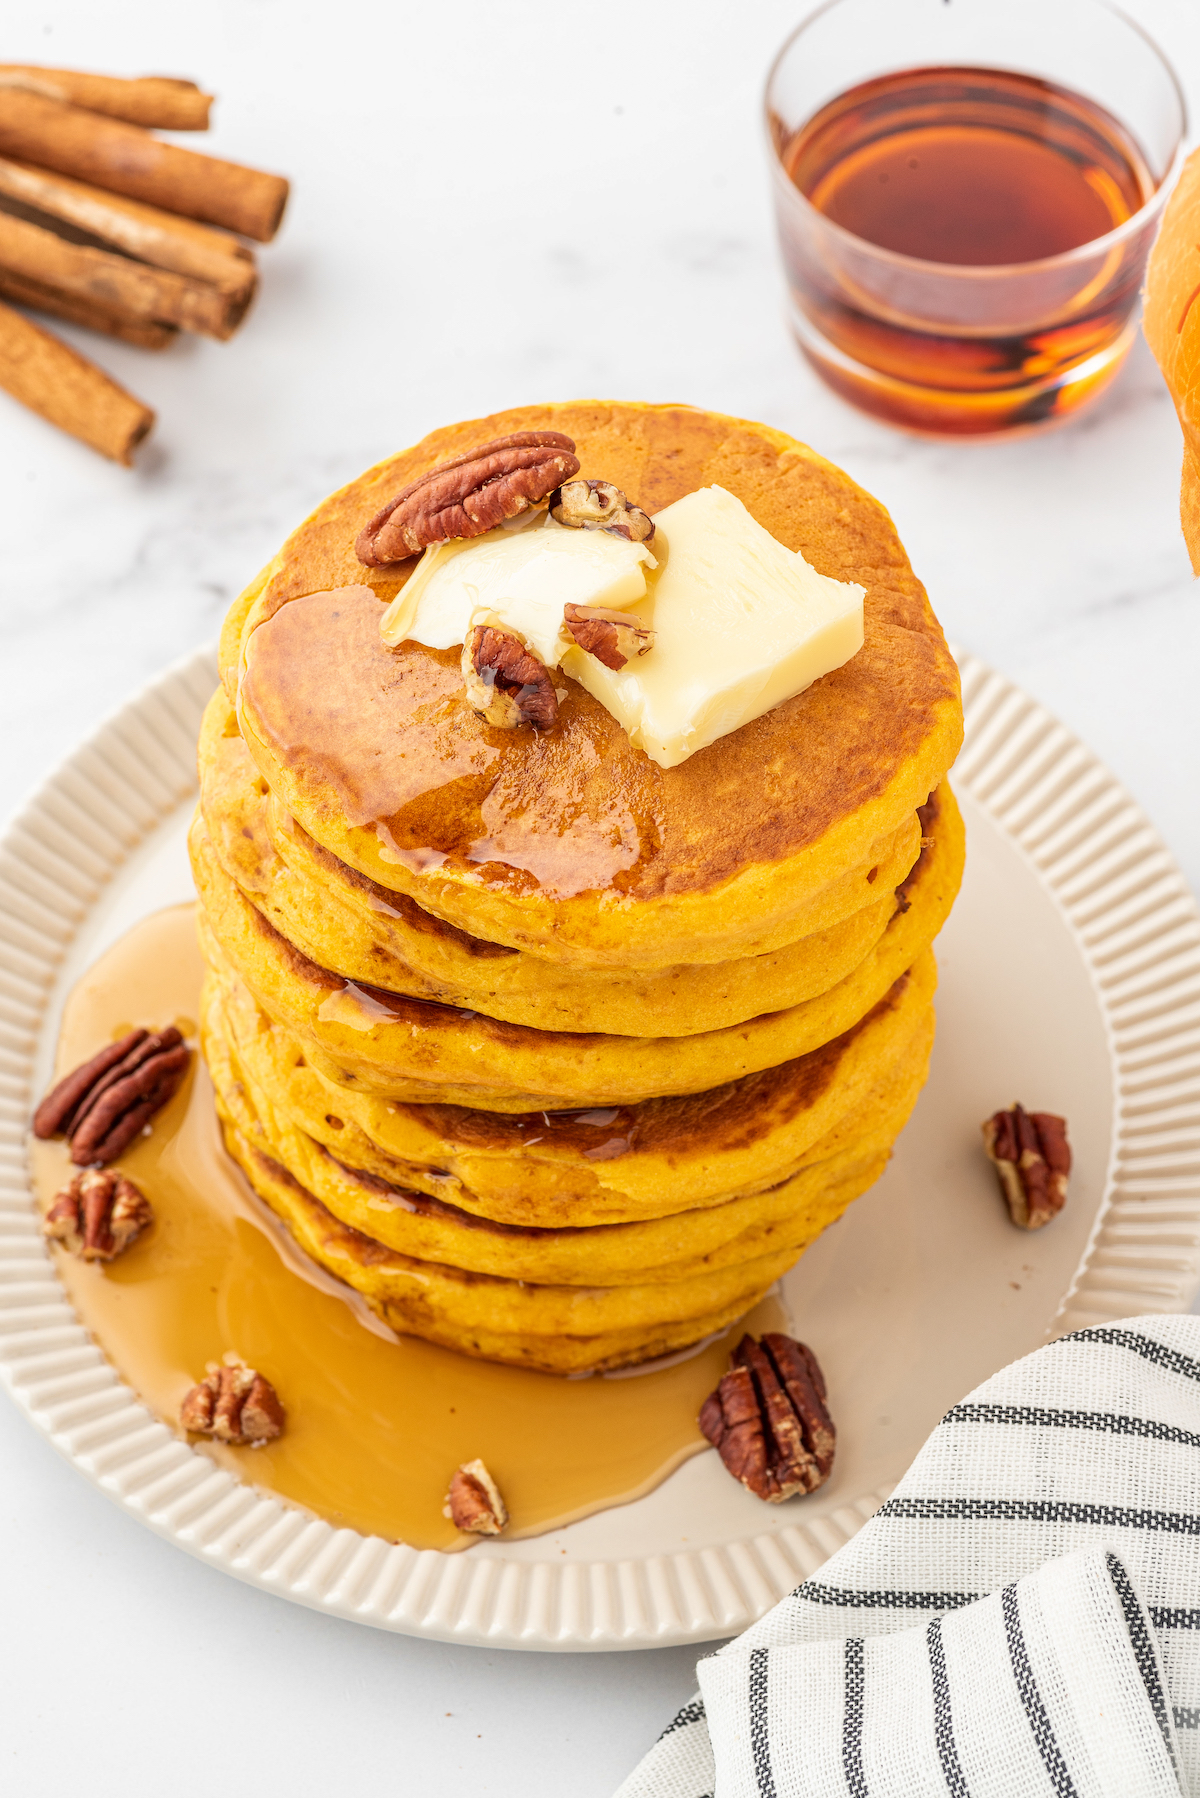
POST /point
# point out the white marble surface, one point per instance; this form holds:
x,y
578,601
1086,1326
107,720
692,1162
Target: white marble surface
x,y
493,204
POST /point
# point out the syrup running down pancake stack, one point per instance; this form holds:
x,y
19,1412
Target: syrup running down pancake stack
x,y
558,1056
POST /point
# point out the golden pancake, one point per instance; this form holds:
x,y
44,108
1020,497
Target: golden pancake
x,y
345,922
428,1228
559,1329
602,1165
405,1048
558,1057
572,844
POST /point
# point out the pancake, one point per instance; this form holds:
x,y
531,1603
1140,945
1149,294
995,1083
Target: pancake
x,y
404,1048
346,923
429,1228
572,844
602,1165
558,1329
498,1320
557,1057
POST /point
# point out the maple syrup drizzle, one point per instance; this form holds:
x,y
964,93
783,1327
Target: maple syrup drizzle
x,y
376,1424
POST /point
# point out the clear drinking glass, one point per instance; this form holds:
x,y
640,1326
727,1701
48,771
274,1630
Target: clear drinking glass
x,y
951,341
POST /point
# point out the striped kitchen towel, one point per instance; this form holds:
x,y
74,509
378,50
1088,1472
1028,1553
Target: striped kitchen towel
x,y
1021,1617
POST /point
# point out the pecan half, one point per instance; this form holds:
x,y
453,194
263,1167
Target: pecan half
x,y
505,681
768,1421
1031,1156
614,638
97,1214
468,495
599,506
235,1404
473,1502
102,1105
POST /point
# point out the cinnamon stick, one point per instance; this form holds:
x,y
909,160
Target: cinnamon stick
x,y
134,288
126,160
143,231
152,100
145,334
68,390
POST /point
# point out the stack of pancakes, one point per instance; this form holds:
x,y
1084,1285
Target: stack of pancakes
x,y
558,1057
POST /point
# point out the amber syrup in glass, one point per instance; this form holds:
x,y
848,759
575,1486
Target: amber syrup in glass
x,y
965,169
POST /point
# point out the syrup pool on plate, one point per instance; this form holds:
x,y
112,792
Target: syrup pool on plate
x,y
376,1423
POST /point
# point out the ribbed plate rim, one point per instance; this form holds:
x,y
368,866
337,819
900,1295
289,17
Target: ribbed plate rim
x,y
1137,927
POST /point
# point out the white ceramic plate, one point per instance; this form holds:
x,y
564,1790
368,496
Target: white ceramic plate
x,y
1070,980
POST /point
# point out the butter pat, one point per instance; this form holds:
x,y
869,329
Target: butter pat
x,y
523,578
740,624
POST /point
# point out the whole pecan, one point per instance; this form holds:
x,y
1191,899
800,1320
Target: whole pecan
x,y
234,1404
599,506
768,1421
614,638
54,1115
505,681
1031,1156
473,1502
468,495
97,1214
102,1105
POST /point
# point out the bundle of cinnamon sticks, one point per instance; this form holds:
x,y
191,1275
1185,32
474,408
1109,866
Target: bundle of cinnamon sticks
x,y
107,226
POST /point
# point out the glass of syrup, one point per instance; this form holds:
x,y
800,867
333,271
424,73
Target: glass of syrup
x,y
966,193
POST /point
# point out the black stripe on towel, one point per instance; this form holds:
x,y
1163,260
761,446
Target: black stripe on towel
x,y
1111,1423
852,1720
1163,1617
853,1600
1031,1698
1145,1346
760,1741
1187,1716
1143,1649
692,1712
943,1721
1041,1510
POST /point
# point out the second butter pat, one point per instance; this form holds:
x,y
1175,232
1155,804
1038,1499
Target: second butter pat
x,y
741,623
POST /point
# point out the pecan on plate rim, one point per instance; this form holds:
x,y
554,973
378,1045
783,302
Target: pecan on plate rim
x,y
1032,1158
102,1105
474,1503
469,494
768,1419
97,1215
235,1404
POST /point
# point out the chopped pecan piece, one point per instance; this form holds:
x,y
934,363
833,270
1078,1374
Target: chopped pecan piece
x,y
1031,1155
599,506
474,1503
235,1404
768,1420
468,495
505,681
614,638
97,1214
106,1102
